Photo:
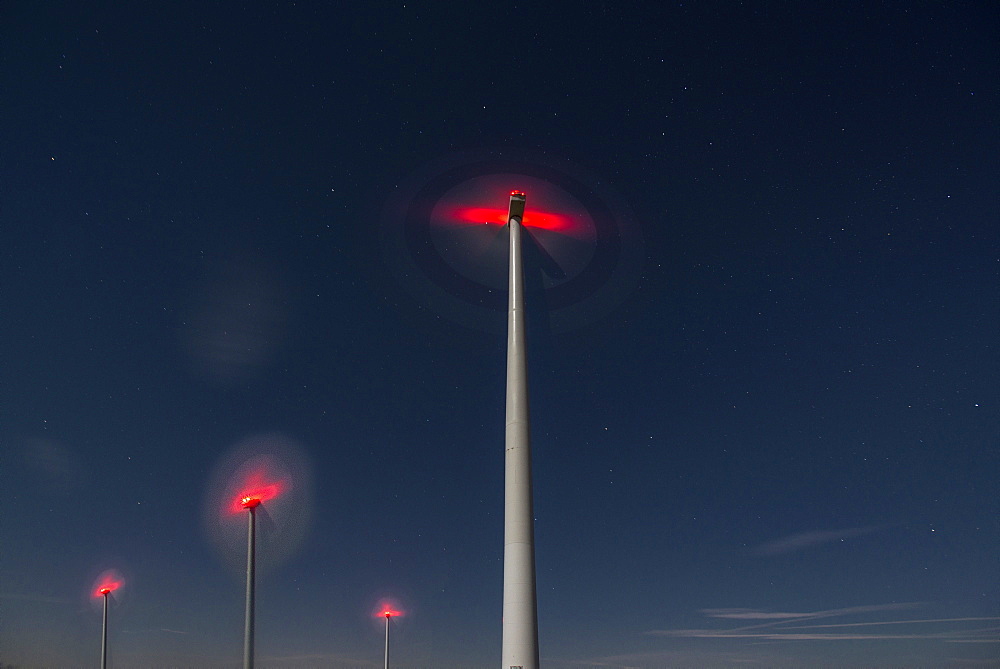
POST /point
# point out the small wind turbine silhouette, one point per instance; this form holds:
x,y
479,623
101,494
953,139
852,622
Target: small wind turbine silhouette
x,y
388,612
107,584
255,492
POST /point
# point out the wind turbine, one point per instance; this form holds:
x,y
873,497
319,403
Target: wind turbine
x,y
520,607
255,492
107,584
388,612
442,249
250,503
267,477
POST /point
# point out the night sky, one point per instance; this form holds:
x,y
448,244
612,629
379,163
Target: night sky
x,y
764,416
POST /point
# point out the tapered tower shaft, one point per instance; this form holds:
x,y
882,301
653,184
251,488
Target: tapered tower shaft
x,y
520,619
387,641
251,584
104,635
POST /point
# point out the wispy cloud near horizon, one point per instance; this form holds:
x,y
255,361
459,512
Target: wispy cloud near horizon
x,y
751,614
804,540
787,626
782,617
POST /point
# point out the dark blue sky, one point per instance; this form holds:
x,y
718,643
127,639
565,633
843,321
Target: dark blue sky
x,y
767,437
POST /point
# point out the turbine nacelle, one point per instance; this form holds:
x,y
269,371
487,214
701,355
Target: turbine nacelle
x,y
515,211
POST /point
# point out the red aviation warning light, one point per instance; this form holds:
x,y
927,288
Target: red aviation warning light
x,y
255,491
516,210
106,586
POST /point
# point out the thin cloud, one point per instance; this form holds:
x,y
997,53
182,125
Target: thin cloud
x,y
153,630
691,657
751,614
779,635
786,626
782,618
889,622
674,658
804,540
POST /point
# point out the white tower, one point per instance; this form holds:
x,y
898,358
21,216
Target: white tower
x,y
520,617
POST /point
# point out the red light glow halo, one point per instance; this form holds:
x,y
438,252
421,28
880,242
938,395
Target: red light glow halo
x,y
457,268
107,583
466,229
388,608
480,200
540,220
273,470
256,489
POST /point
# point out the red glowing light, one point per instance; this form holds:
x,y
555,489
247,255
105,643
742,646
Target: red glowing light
x,y
551,210
532,219
390,613
256,490
106,588
109,581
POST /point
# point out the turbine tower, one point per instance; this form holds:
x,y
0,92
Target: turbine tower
x,y
104,592
520,617
106,584
250,503
388,612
